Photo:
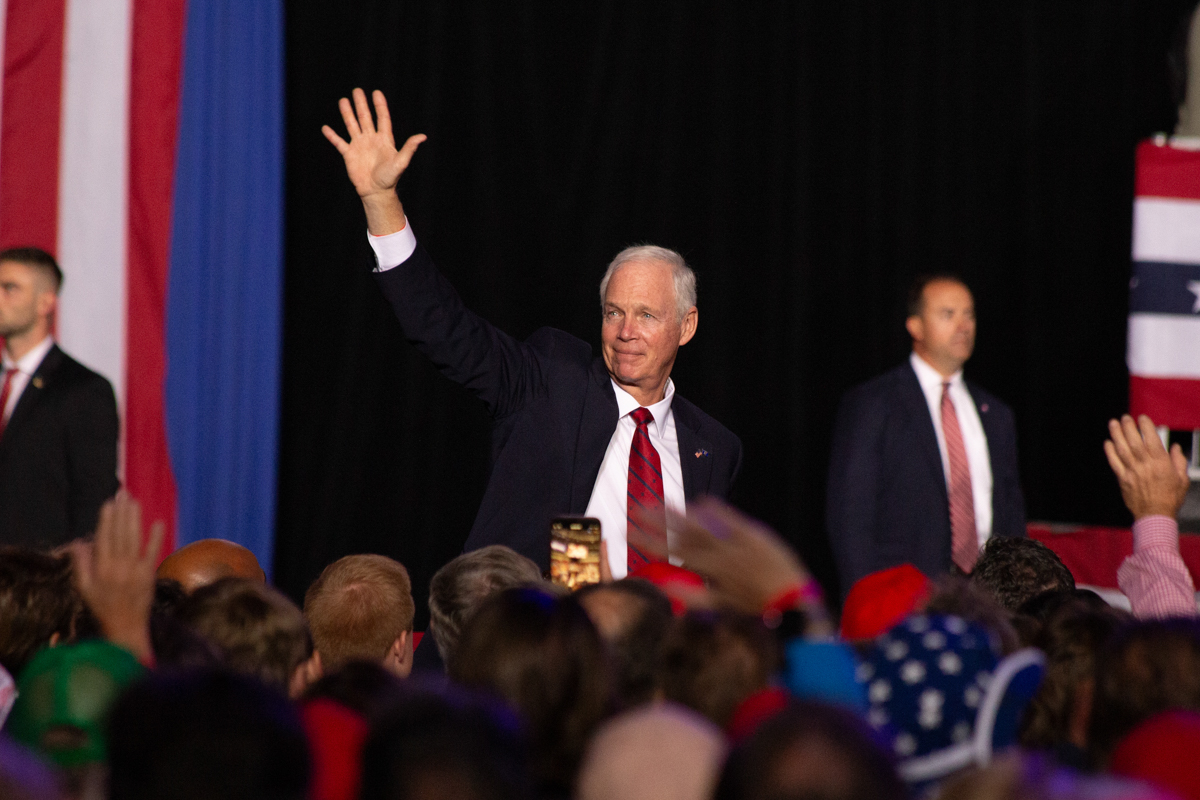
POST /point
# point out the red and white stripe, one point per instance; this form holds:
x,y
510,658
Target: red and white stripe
x,y
88,117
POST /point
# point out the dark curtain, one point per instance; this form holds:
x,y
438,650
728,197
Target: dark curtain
x,y
808,158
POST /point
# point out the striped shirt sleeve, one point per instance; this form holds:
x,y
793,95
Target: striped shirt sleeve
x,y
1154,578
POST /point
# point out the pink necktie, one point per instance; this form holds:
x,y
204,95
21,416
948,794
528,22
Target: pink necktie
x,y
645,484
964,540
9,374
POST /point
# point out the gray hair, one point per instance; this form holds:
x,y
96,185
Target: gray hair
x,y
459,587
685,279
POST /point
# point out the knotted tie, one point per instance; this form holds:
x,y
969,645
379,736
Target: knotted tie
x,y
9,374
964,540
645,485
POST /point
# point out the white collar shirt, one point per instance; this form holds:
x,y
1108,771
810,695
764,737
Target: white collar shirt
x,y
26,366
974,439
610,494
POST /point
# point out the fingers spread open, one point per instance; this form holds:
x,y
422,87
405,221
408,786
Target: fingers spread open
x,y
364,112
348,117
1114,461
381,112
1154,445
341,144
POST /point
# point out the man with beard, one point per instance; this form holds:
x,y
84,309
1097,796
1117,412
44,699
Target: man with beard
x,y
924,466
58,419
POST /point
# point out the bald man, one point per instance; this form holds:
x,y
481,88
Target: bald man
x,y
207,561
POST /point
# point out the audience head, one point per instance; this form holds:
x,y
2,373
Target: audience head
x,y
1147,667
632,617
64,696
959,597
23,776
208,561
444,744
941,322
658,752
360,686
1015,569
257,631
543,656
361,609
458,588
1033,776
38,604
28,305
810,750
1071,636
206,735
879,600
712,661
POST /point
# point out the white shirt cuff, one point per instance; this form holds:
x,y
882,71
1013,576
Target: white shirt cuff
x,y
393,249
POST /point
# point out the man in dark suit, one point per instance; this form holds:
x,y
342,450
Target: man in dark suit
x,y
924,465
572,433
58,419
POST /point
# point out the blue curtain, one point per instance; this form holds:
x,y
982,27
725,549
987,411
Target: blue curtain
x,y
226,274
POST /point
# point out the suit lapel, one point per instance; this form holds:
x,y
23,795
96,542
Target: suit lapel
x,y
695,452
596,428
917,407
35,387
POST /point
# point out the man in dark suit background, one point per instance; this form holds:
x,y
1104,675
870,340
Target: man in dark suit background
x,y
572,433
924,465
58,419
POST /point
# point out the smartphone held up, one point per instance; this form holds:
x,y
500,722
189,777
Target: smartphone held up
x,y
574,551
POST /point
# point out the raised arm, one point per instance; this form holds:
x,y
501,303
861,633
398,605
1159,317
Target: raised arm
x,y
1154,484
373,163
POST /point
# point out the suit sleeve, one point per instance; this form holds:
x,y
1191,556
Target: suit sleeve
x,y
92,430
855,473
470,351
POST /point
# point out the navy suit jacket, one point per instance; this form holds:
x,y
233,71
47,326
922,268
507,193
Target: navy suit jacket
x,y
553,412
887,502
58,455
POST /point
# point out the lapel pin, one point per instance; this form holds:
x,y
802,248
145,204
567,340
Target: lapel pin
x,y
984,408
701,453
37,382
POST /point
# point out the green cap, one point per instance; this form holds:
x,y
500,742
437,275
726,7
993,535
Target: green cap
x,y
64,696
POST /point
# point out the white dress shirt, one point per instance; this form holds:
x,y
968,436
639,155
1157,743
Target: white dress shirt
x,y
609,500
26,365
610,494
974,439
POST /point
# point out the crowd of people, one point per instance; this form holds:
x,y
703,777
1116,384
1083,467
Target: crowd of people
x,y
124,677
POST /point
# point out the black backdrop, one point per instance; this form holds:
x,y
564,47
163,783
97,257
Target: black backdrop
x,y
807,157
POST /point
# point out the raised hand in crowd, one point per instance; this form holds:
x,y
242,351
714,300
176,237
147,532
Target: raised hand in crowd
x,y
373,163
115,574
747,565
1153,481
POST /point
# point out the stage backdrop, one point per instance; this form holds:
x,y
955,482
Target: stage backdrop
x,y
808,158
141,143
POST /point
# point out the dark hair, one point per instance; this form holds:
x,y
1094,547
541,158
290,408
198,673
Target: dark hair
x,y
357,608
713,660
635,646
1147,667
1015,569
545,658
915,302
1071,636
960,597
206,735
257,630
810,750
37,600
444,740
38,259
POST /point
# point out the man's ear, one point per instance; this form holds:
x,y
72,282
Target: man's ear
x,y
916,328
305,674
399,658
46,303
687,328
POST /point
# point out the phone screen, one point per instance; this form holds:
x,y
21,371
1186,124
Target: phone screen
x,y
574,551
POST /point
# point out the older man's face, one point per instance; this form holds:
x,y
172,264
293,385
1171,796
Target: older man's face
x,y
642,330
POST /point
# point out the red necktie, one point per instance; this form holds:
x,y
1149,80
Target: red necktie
x,y
4,392
645,484
964,539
